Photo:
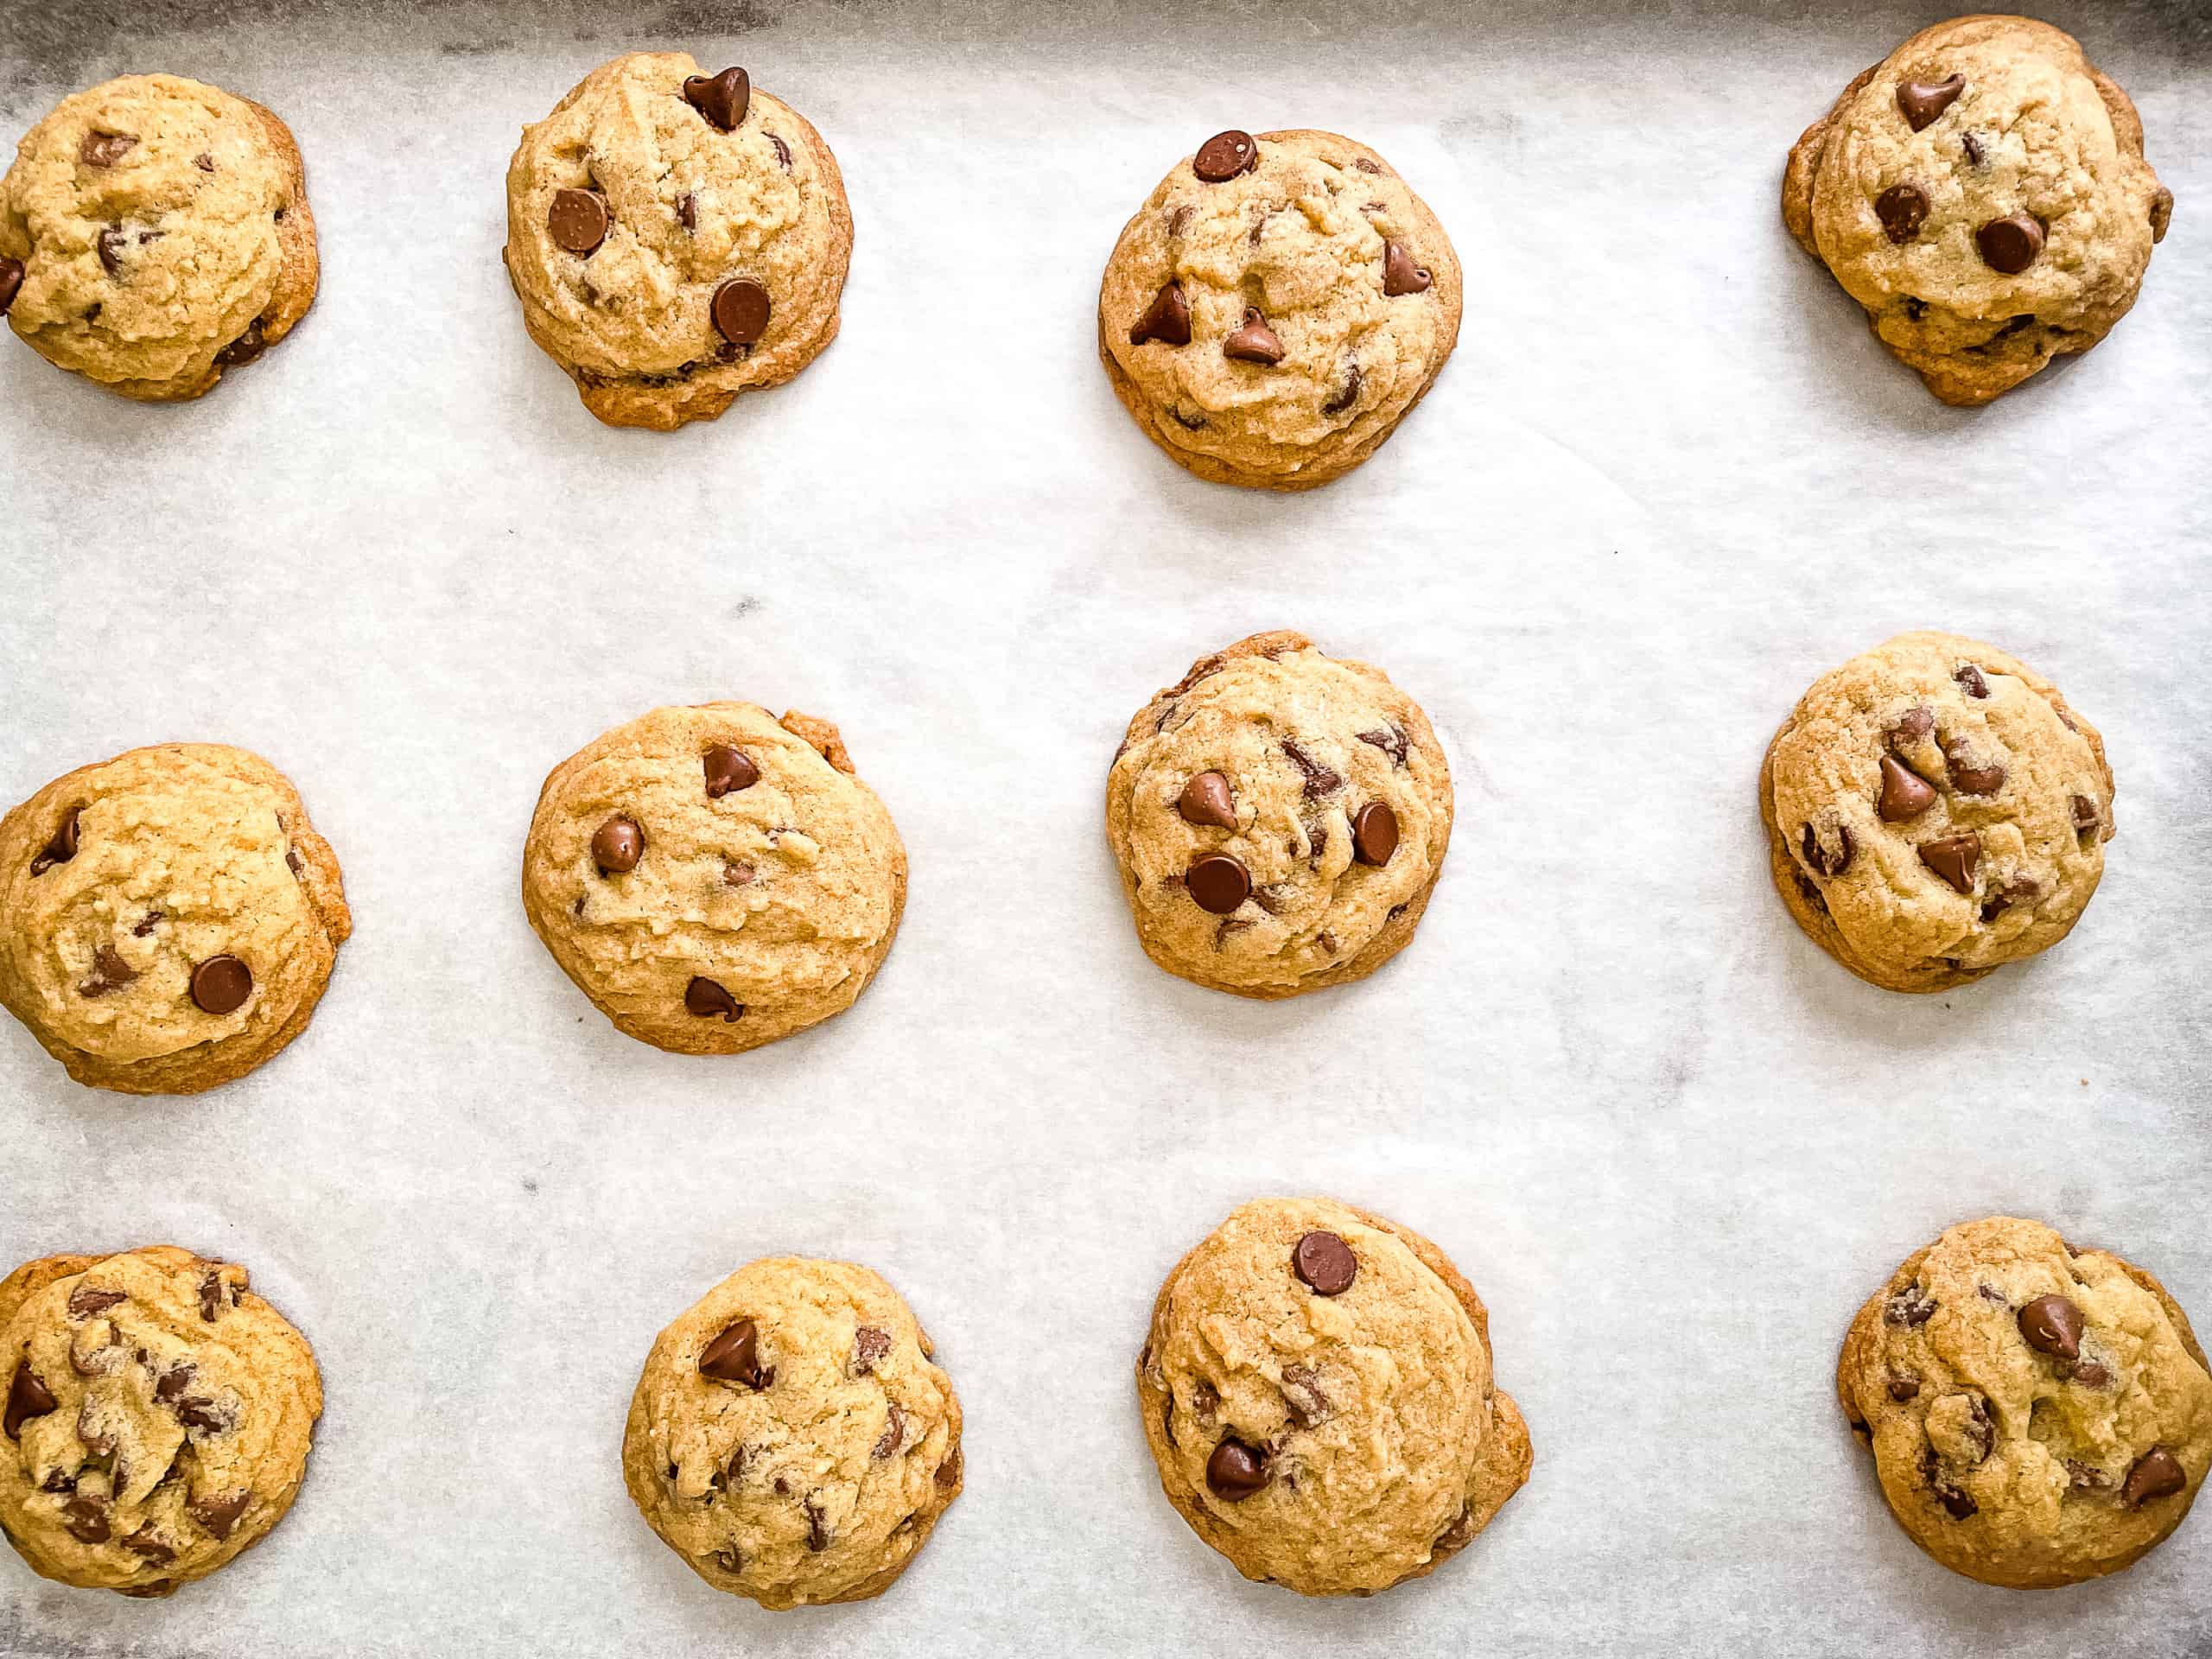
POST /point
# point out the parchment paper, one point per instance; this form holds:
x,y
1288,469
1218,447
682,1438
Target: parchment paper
x,y
1668,479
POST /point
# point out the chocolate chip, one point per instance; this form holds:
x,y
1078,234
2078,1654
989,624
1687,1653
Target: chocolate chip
x,y
85,1520
1348,396
735,1357
1904,793
737,874
1913,724
291,863
740,310
2011,243
221,984
1973,147
1168,319
1206,799
783,152
88,1300
1921,101
1375,834
1824,863
146,1542
110,244
219,1515
578,220
245,348
1325,1262
172,1383
110,973
1954,1499
104,148
1225,155
1953,858
617,845
63,847
151,920
11,283
869,1344
2086,817
1320,779
2162,216
1391,742
2014,892
2090,1374
1235,1472
1971,679
1217,883
27,1397
1915,310
2156,1473
1400,274
894,1432
948,1472
2052,1325
1903,1389
722,100
1301,1393
2085,1478
705,999
204,162
1969,780
1903,209
198,1411
729,769
818,1527
687,211
1253,342
1909,1306
211,1295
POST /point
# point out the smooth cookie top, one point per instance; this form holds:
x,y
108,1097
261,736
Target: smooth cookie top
x,y
1276,306
1938,810
2038,1415
1280,817
1316,1390
158,1417
790,1438
714,878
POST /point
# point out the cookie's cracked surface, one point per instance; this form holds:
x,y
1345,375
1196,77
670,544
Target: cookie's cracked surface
x,y
158,1417
1276,307
713,878
168,918
2038,1416
676,238
1982,193
155,232
1316,1390
791,1438
1935,809
1279,818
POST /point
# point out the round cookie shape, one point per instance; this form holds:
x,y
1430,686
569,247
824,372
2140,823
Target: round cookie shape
x,y
157,232
1316,1390
1982,193
791,1438
1279,817
158,1417
2037,1415
713,878
1935,809
168,918
1276,307
675,238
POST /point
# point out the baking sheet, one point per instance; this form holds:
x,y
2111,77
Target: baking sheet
x,y
1668,479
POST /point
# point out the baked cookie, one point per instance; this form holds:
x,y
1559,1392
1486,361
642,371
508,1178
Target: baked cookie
x,y
1982,192
1316,1390
2038,1416
714,878
155,232
675,238
1279,818
790,1438
167,918
158,1417
1935,810
1276,307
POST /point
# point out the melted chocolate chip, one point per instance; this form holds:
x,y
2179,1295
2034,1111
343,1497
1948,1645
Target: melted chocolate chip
x,y
1206,799
2086,817
1324,1263
63,847
88,1300
687,210
245,348
1167,319
1235,1471
1903,209
2052,1325
11,283
706,999
109,245
85,1520
1904,795
735,1357
1903,1389
27,1397
870,1344
110,973
1348,395
1822,860
1224,155
1254,341
1909,1306
220,985
220,1513
722,99
729,769
894,1432
2156,1473
1320,779
1971,681
1970,779
783,152
1400,274
1921,101
104,148
1954,858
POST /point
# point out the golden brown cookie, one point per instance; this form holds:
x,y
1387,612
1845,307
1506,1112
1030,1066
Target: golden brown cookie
x,y
1316,1390
2038,1414
168,918
158,1417
791,1438
1275,308
1982,193
155,232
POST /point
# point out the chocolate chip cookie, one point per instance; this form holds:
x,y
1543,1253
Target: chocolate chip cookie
x,y
791,1438
167,918
1316,1390
158,1417
1279,818
2038,1414
1982,193
155,232
675,238
1935,810
714,878
1276,307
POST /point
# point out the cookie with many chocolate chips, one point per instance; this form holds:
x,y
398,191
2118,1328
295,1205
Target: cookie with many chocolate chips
x,y
1276,307
155,232
791,1438
1935,809
675,238
2038,1414
168,918
1316,1390
158,1417
1982,193
714,878
1279,818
